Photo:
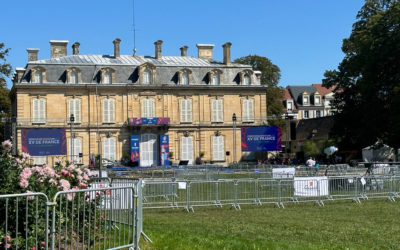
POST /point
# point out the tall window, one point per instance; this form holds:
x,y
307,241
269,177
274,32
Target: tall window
x,y
37,78
107,77
319,113
305,100
289,106
185,78
317,100
306,114
75,148
39,111
186,110
75,109
73,77
147,79
108,110
218,148
187,149
217,111
148,109
248,111
216,79
109,148
246,79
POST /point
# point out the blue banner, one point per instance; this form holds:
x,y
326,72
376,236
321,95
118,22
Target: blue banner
x,y
261,138
43,142
135,149
164,147
149,121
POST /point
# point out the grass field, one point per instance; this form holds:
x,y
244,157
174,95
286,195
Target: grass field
x,y
373,224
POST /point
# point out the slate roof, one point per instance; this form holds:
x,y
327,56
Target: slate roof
x,y
180,61
296,92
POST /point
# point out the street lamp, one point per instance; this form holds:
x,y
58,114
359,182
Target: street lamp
x,y
234,137
72,120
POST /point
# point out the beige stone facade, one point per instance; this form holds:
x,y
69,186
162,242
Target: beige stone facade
x,y
94,124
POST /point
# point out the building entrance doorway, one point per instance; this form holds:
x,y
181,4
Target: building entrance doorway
x,y
148,149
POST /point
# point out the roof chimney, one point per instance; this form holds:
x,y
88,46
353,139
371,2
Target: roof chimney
x,y
75,48
227,53
158,48
184,50
32,54
116,43
58,48
205,51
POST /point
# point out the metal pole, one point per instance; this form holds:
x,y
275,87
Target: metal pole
x,y
234,138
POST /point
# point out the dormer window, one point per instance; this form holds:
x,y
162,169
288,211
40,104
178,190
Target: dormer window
x,y
184,76
246,77
289,106
37,78
215,77
38,75
317,100
147,79
305,100
107,75
73,75
147,73
215,80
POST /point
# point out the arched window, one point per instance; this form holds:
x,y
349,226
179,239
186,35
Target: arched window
x,y
107,77
37,78
216,79
246,79
185,78
73,77
147,79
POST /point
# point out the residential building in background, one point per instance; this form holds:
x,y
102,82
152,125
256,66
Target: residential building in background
x,y
136,107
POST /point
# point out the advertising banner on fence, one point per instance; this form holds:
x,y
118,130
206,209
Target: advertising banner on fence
x,y
135,149
311,186
280,173
43,142
261,138
164,147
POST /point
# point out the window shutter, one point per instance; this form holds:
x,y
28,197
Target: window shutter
x,y
105,111
183,108
111,109
35,107
215,147
214,111
219,111
189,110
78,110
42,110
187,149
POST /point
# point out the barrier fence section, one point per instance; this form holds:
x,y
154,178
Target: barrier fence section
x,y
96,218
235,192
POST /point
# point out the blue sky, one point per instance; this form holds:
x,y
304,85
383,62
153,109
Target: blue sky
x,y
302,37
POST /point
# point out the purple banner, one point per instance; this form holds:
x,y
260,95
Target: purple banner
x,y
164,147
43,142
135,148
261,138
149,121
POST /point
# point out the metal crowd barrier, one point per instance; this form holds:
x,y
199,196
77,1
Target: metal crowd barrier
x,y
236,192
96,218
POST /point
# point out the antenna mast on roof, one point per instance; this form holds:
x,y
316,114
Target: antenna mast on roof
x,y
134,27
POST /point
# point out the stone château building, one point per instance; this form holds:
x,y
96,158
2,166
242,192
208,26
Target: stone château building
x,y
115,99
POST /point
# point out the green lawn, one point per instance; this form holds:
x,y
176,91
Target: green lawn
x,y
373,224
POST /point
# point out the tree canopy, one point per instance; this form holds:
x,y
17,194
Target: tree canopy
x,y
367,96
270,75
5,71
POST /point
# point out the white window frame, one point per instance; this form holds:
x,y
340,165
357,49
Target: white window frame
x,y
148,108
218,148
107,77
74,152
109,147
147,77
306,100
319,100
246,79
187,149
186,110
38,111
73,77
289,105
74,107
248,110
216,79
108,111
185,78
217,110
304,114
38,77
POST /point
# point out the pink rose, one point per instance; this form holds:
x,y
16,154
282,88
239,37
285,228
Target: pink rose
x,y
43,244
23,183
7,245
7,238
6,144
